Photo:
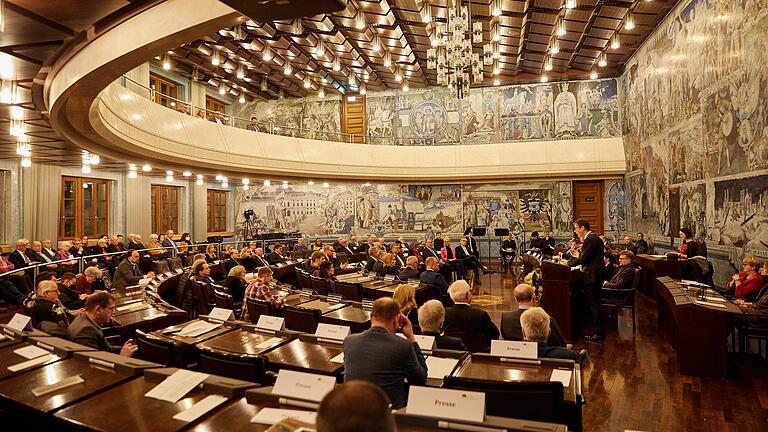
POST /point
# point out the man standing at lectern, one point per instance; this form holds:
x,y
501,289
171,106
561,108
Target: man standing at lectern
x,y
592,267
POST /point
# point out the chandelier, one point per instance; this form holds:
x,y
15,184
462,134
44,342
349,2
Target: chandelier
x,y
451,54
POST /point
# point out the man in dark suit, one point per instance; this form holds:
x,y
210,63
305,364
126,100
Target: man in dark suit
x,y
642,245
48,250
625,275
628,245
397,250
19,257
536,328
429,251
410,271
379,356
86,328
353,245
343,246
549,244
128,273
432,276
277,257
508,251
591,260
510,321
431,319
536,242
463,318
259,258
468,261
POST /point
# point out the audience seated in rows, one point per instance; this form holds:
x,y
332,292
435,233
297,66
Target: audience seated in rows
x,y
86,329
14,287
431,320
235,282
379,356
536,327
511,329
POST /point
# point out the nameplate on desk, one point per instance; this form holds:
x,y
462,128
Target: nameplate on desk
x,y
33,362
176,386
269,343
50,388
330,331
302,385
200,408
443,403
197,328
222,314
270,416
30,352
20,323
272,323
515,349
389,278
145,281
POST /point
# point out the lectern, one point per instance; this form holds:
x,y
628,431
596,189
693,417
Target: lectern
x,y
558,285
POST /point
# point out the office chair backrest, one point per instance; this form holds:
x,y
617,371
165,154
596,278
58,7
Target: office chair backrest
x,y
257,308
301,319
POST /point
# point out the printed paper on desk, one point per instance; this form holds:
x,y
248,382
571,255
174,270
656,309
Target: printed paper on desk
x,y
222,314
176,386
515,349
30,352
273,323
206,404
562,376
330,331
270,416
443,403
426,343
302,385
20,323
144,282
197,328
339,358
440,367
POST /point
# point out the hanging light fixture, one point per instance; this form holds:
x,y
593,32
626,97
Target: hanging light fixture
x,y
387,59
325,185
629,21
264,86
362,90
320,49
310,183
8,91
555,48
18,128
360,20
287,68
86,169
146,168
307,82
321,93
495,33
352,80
561,26
298,28
267,183
496,8
496,81
26,162
398,75
225,182
187,174
376,43
132,174
406,88
603,62
2,16
222,89
615,42
169,176
336,64
548,64
496,68
241,99
22,146
593,75
544,78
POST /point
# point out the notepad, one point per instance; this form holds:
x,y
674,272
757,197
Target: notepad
x,y
560,375
30,363
270,416
338,359
715,299
269,342
192,413
197,328
50,388
176,386
718,305
30,352
440,367
131,306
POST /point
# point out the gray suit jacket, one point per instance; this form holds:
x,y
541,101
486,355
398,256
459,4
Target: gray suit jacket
x,y
385,359
126,275
86,332
512,330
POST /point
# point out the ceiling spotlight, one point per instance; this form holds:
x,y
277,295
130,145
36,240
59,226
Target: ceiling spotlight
x,y
376,43
246,181
146,168
360,20
544,78
241,99
570,4
405,86
166,62
496,81
555,48
240,72
187,174
287,69
215,58
593,75
561,26
615,42
132,174
496,8
548,64
267,54
267,183
629,21
321,93
426,12
325,185
310,183
603,62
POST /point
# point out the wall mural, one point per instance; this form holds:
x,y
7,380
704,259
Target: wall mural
x,y
616,203
695,124
416,209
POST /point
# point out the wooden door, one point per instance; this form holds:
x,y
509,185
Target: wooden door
x,y
353,117
588,203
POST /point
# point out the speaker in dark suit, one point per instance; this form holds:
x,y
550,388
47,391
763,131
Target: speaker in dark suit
x,y
591,260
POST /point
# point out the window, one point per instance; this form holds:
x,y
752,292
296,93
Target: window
x,y
217,110
165,208
217,210
84,207
166,93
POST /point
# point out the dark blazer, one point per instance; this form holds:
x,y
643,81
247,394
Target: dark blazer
x,y
17,260
259,261
538,243
37,257
509,244
408,273
385,359
512,330
86,332
464,318
377,267
115,248
387,270
692,249
446,342
472,244
343,249
623,278
642,247
546,351
363,247
235,286
399,260
461,253
429,252
369,262
126,275
275,258
630,247
435,278
591,260
50,256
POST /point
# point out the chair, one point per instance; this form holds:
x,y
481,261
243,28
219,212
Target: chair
x,y
175,263
237,366
350,291
168,287
306,281
257,308
301,319
319,285
189,260
224,300
529,400
200,291
161,267
155,349
218,272
427,292
474,342
622,298
299,276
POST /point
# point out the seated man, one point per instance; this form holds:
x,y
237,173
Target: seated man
x,y
536,328
371,414
432,276
379,356
343,246
628,245
300,246
259,258
397,250
428,251
128,273
371,259
465,319
468,261
431,319
508,251
410,271
625,274
277,257
536,242
86,328
48,307
510,321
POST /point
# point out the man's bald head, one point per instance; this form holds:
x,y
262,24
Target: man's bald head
x,y
385,309
524,294
371,413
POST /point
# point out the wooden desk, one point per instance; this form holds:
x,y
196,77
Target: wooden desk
x,y
415,423
560,285
131,305
148,320
486,367
99,370
458,355
244,341
124,408
322,305
285,273
9,336
352,316
171,332
372,289
306,355
699,333
60,348
655,266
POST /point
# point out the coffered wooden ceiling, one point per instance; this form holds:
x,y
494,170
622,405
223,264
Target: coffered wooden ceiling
x,y
526,29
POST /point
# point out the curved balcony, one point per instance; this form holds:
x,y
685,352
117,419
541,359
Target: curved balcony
x,y
90,109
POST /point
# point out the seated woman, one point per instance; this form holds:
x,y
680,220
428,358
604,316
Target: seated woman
x,y
317,245
104,260
235,282
747,283
389,267
63,254
326,271
155,244
210,254
85,283
245,259
757,310
259,290
405,297
184,242
688,248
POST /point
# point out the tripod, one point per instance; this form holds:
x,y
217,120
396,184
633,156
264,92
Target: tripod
x,y
249,229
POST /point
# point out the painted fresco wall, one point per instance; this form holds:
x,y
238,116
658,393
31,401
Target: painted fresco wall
x,y
409,209
567,110
695,124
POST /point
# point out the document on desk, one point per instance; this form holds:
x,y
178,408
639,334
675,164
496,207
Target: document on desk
x,y
440,367
144,282
130,306
717,305
176,386
338,359
198,328
192,413
715,299
30,352
270,416
561,375
33,362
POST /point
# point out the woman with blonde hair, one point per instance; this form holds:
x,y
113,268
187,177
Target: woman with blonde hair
x,y
405,297
388,267
235,282
210,253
